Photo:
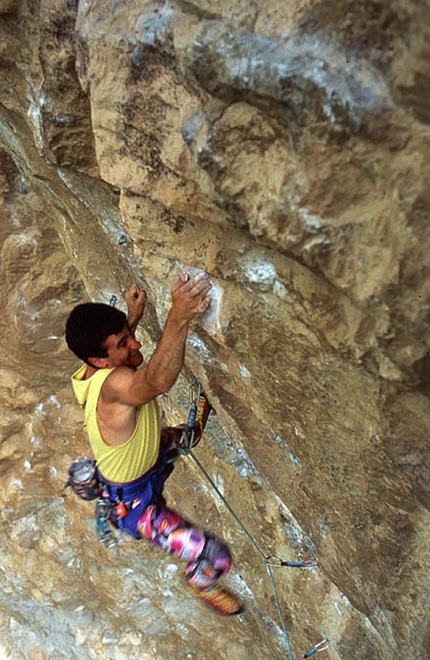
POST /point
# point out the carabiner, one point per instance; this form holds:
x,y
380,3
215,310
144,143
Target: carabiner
x,y
195,391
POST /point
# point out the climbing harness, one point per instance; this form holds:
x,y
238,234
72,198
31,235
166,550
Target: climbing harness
x,y
83,479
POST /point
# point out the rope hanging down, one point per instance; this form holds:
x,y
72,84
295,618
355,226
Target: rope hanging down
x,y
258,549
270,561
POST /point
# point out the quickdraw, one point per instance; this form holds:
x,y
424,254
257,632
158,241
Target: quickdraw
x,y
306,563
188,434
187,439
321,646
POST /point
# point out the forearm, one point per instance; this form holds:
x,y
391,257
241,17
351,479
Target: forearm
x,y
135,299
167,360
135,387
133,321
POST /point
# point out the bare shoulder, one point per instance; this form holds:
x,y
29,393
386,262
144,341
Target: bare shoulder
x,y
128,386
118,382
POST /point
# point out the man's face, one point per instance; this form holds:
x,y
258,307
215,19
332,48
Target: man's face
x,y
123,350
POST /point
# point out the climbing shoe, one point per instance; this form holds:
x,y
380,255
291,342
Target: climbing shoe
x,y
220,599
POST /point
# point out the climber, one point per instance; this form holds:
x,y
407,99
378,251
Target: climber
x,y
123,426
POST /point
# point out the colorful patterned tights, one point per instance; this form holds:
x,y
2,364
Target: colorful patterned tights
x,y
208,558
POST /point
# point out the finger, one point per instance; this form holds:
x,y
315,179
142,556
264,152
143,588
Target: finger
x,y
204,304
200,277
184,278
139,293
200,284
200,290
133,291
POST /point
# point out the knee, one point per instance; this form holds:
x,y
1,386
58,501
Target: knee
x,y
218,554
171,436
212,564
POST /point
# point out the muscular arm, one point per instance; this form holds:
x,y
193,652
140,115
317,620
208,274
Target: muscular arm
x,y
136,300
134,388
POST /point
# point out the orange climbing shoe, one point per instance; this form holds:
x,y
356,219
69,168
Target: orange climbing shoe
x,y
220,599
202,414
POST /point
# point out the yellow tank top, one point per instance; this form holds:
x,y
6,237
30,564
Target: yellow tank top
x,y
130,460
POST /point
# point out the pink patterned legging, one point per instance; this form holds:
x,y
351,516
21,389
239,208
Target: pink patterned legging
x,y
208,558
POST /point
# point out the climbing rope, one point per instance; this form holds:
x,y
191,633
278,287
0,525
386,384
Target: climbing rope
x,y
258,549
270,561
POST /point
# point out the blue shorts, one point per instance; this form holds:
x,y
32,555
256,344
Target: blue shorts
x,y
138,494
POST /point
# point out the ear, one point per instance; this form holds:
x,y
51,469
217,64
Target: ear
x,y
98,362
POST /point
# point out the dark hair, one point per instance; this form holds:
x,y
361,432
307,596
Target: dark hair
x,y
88,327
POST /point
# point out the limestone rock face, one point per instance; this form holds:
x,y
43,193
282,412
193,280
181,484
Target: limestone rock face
x,y
284,148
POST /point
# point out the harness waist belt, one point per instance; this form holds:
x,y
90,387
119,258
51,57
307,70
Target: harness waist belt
x,y
130,490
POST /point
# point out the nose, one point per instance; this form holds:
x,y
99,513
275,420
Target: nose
x,y
134,344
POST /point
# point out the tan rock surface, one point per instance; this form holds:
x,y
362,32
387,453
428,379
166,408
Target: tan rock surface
x,y
285,150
